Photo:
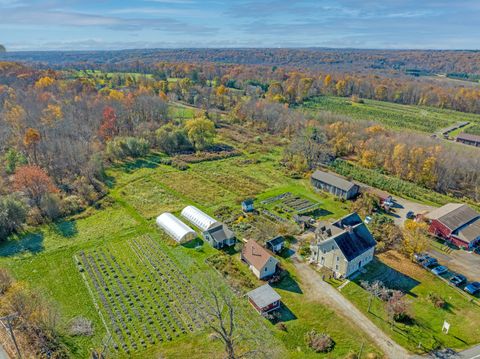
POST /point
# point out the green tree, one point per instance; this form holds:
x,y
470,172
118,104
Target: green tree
x,y
13,214
13,158
2,49
201,132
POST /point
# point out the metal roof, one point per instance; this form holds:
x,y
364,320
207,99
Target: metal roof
x,y
333,180
453,215
198,218
175,228
468,137
220,233
264,296
471,232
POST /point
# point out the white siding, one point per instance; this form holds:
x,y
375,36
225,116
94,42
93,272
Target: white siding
x,y
198,218
175,228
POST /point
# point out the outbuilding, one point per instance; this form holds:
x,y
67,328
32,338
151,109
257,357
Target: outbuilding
x,y
219,236
276,244
199,218
247,205
175,228
334,184
264,299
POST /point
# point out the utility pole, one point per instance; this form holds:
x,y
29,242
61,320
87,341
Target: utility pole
x,y
9,320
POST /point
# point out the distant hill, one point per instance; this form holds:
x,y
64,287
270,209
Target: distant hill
x,y
2,48
419,62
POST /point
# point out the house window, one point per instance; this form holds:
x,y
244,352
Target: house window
x,y
336,267
324,251
333,248
322,261
338,258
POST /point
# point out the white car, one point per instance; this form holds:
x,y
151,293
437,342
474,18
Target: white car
x,y
368,219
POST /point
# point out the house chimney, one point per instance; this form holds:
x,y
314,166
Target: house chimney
x,y
349,229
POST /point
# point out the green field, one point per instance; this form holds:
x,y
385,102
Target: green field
x,y
425,333
418,118
54,259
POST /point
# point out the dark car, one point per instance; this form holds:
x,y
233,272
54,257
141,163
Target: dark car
x,y
457,280
439,270
477,250
430,262
410,215
472,288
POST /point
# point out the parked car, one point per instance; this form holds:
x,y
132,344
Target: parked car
x,y
458,279
429,262
476,250
472,288
368,219
420,257
410,215
439,270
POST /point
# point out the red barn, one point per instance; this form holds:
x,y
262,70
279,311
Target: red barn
x,y
456,223
264,299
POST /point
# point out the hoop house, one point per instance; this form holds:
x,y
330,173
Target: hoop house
x,y
198,218
175,228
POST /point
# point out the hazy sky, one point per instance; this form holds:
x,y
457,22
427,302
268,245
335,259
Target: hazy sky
x,y
104,24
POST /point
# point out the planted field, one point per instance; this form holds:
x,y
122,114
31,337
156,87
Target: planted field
x,y
195,188
418,118
150,199
142,295
473,129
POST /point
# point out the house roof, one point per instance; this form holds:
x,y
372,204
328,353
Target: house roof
x,y
333,180
453,215
468,137
350,234
263,296
255,254
470,232
355,241
220,233
275,241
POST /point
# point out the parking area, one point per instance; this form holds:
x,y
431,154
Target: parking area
x,y
402,206
459,261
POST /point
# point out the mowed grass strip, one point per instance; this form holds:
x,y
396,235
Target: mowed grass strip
x,y
426,330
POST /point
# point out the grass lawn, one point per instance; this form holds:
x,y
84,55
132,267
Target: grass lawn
x,y
418,118
425,332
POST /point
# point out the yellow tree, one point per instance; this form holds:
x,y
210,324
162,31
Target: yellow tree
x,y
44,82
201,132
51,114
415,238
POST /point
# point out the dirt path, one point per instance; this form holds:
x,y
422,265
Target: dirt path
x,y
322,291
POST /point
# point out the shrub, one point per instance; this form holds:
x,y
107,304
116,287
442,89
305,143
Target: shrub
x,y
319,342
13,214
123,147
6,280
180,165
437,300
281,326
72,205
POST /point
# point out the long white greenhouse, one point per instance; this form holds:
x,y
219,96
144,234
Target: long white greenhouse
x,y
175,228
198,218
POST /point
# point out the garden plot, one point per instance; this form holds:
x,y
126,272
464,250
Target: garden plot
x,y
150,199
288,204
142,297
195,188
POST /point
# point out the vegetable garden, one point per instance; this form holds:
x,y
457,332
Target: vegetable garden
x,y
141,294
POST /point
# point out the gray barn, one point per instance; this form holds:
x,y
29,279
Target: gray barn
x,y
336,185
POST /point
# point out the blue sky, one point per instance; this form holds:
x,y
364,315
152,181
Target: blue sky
x,y
121,24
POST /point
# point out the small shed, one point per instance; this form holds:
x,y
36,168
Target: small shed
x,y
199,218
247,205
276,244
175,228
264,299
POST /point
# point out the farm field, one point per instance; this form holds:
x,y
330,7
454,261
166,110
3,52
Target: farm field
x,y
426,330
75,263
418,118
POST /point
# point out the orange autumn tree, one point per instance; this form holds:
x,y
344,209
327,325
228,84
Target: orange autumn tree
x,y
34,182
31,140
108,128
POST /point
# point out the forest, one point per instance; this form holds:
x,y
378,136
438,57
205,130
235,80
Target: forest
x,y
60,128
